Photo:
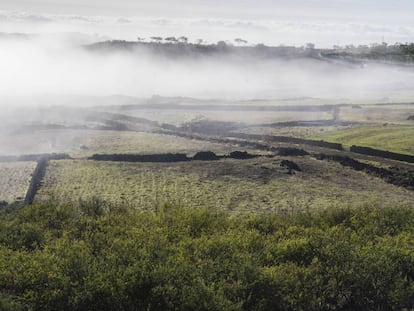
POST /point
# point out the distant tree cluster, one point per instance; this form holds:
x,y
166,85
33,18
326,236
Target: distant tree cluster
x,y
354,54
184,40
402,52
171,39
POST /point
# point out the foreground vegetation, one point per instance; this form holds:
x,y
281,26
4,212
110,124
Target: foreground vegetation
x,y
98,257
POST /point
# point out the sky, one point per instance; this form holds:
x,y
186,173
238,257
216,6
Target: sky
x,y
293,22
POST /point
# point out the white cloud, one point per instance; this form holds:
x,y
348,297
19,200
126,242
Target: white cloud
x,y
274,31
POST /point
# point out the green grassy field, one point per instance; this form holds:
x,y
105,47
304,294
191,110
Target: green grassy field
x,y
15,179
392,138
258,185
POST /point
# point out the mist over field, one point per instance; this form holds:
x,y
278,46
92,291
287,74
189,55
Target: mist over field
x,y
44,65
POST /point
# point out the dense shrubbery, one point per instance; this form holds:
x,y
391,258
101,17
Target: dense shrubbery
x,y
95,257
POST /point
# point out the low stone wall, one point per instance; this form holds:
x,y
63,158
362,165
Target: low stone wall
x,y
206,156
172,157
287,139
167,157
36,181
241,155
289,151
382,153
395,176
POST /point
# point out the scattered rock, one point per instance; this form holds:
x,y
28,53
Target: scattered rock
x,y
291,166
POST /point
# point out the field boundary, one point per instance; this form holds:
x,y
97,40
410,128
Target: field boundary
x,y
37,177
35,157
172,157
382,153
393,175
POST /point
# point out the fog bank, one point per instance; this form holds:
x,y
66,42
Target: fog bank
x,y
38,65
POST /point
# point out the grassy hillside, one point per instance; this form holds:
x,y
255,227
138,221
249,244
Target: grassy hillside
x,y
91,257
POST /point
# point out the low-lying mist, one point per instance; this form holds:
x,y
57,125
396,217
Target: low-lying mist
x,y
34,66
54,91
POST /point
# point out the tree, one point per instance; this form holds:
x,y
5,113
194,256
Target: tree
x,y
240,41
183,39
221,44
310,46
171,39
156,39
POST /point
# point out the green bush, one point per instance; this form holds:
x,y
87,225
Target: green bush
x,y
98,257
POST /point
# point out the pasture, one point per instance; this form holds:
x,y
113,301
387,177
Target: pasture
x,y
258,185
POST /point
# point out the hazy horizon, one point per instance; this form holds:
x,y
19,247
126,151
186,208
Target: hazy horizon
x,y
53,63
270,22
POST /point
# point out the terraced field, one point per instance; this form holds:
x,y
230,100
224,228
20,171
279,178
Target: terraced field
x,y
257,185
14,180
